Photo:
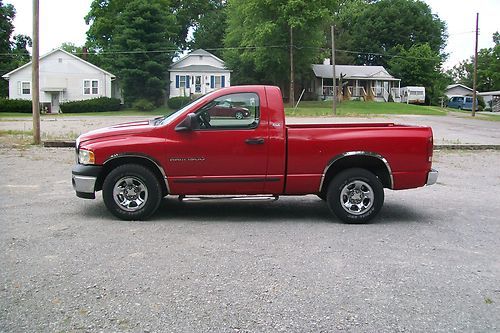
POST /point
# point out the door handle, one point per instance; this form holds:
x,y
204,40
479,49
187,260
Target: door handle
x,y
255,141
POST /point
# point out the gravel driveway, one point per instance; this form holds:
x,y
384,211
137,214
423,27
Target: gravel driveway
x,y
428,263
455,128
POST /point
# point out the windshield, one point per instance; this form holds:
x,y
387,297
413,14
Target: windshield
x,y
167,119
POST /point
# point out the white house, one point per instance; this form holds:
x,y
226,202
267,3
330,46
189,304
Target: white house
x,y
366,83
457,90
63,77
198,73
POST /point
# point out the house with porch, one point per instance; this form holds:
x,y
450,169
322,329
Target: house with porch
x,y
367,83
64,77
198,73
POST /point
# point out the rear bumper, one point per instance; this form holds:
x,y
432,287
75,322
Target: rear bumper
x,y
432,177
84,179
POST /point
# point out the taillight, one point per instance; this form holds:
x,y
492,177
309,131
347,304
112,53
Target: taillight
x,y
430,148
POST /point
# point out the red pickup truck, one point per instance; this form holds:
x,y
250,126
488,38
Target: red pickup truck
x,y
194,153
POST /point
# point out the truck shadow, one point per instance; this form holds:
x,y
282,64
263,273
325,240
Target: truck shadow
x,y
309,209
289,209
284,209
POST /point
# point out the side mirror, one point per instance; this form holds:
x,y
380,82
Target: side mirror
x,y
188,124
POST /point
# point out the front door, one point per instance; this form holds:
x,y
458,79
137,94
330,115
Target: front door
x,y
55,102
197,84
227,154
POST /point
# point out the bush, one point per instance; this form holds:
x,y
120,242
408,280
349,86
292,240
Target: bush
x,y
143,105
178,102
480,101
15,105
101,104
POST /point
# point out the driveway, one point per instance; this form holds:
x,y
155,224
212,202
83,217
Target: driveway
x,y
428,263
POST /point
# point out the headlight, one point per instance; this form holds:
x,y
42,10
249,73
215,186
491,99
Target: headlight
x,y
86,157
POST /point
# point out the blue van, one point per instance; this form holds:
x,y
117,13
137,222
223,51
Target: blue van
x,y
462,103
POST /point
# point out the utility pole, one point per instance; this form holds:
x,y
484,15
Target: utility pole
x,y
35,74
474,87
292,74
333,76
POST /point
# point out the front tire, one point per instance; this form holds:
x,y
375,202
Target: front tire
x,y
131,192
355,196
239,115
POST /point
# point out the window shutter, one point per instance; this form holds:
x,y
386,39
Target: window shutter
x,y
19,89
212,82
222,81
187,81
177,81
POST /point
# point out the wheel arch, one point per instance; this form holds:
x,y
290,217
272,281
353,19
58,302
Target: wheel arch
x,y
130,158
370,161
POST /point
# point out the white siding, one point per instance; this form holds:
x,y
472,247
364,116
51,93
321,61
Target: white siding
x,y
205,83
198,60
458,91
60,71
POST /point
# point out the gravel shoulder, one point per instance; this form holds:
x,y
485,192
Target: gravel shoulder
x,y
454,128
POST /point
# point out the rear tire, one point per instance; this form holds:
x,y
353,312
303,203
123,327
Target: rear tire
x,y
131,192
355,196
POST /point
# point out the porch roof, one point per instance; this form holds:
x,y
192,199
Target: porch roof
x,y
350,72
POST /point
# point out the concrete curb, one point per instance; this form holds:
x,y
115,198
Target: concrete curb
x,y
71,144
59,144
467,147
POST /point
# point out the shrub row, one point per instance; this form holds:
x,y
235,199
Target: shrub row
x,y
15,105
101,104
143,105
178,102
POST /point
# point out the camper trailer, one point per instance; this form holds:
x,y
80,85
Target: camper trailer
x,y
413,95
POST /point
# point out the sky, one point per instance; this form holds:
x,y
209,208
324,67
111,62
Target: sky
x,y
63,21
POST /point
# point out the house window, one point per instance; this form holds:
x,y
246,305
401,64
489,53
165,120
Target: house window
x,y
182,81
26,88
217,82
90,87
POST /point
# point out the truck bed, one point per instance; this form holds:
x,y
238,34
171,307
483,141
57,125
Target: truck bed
x,y
311,147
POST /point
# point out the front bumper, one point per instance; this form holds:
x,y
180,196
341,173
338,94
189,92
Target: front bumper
x,y
84,179
432,177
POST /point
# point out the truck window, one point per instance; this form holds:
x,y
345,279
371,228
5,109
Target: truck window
x,y
468,100
233,111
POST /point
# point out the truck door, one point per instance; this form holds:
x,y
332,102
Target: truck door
x,y
227,152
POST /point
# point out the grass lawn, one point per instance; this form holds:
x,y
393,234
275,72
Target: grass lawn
x,y
305,109
355,108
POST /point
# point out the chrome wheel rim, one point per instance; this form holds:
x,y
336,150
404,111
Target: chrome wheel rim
x,y
130,193
357,197
239,115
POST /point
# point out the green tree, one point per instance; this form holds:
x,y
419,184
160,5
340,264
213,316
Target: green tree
x,y
258,39
420,66
13,51
143,32
210,30
374,29
488,68
72,48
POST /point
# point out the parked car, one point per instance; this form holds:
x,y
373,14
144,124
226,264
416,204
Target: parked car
x,y
260,157
462,103
227,109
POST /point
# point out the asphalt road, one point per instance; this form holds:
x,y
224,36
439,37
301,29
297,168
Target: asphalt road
x,y
429,263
